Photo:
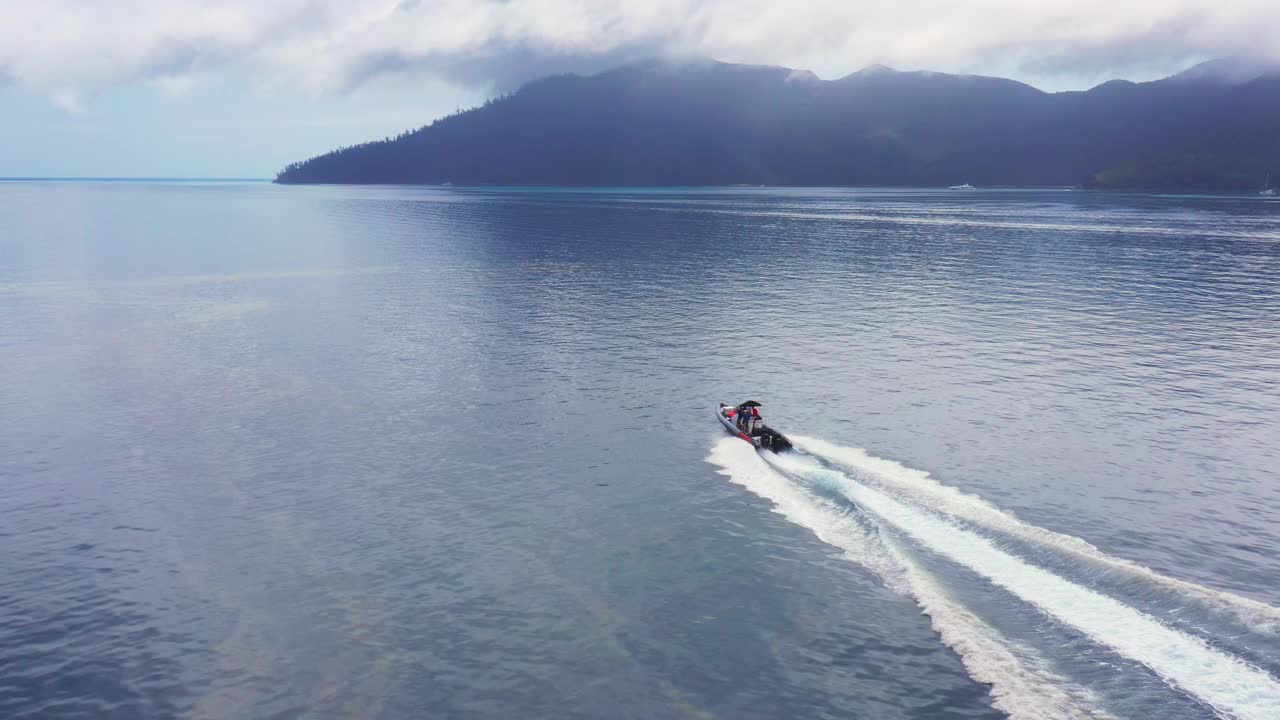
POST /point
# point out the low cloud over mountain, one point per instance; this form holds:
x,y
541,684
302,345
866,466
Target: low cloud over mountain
x,y
65,48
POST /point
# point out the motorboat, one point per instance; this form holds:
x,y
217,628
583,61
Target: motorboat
x,y
965,186
744,421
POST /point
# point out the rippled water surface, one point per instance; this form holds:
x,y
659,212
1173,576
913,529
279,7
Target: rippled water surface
x,y
397,453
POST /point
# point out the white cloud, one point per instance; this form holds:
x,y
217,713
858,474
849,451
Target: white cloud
x,y
66,47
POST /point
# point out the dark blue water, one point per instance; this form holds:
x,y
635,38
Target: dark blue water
x,y
397,453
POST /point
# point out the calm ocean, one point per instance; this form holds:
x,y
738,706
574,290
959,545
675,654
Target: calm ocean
x,y
374,452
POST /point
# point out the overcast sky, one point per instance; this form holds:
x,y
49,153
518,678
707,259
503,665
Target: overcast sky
x,y
241,87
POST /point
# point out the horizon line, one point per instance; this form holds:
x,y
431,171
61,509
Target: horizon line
x,y
129,178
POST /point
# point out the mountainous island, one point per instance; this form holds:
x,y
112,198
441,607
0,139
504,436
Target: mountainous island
x,y
1215,126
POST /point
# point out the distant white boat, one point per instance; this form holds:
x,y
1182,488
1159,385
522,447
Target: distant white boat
x,y
965,186
1267,190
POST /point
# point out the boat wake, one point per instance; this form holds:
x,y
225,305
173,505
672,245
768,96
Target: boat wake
x,y
917,487
881,514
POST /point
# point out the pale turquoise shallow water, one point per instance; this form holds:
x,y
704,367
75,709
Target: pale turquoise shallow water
x,y
400,452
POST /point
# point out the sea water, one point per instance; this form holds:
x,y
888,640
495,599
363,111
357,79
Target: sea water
x,y
372,452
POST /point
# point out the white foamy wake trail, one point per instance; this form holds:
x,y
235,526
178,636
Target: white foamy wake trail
x,y
1225,682
916,484
1022,684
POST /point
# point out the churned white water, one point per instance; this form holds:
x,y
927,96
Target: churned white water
x,y
916,486
1021,682
1229,684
